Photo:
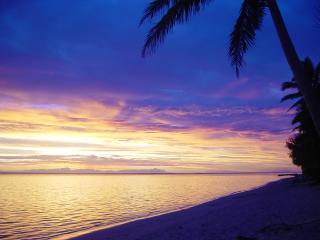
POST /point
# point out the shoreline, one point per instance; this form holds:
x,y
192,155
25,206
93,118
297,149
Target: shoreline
x,y
79,234
276,210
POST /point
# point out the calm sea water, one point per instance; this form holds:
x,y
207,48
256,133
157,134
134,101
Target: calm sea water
x,y
44,206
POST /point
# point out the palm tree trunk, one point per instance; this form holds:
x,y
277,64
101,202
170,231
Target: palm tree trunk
x,y
295,64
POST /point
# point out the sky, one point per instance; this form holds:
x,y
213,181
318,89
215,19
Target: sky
x,y
75,93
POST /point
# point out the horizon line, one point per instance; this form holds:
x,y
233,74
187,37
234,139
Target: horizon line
x,y
143,173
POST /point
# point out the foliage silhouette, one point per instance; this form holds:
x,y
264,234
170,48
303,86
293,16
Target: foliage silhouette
x,y
241,39
304,145
180,11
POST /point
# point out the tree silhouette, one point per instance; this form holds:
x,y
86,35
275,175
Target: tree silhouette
x,y
241,39
304,145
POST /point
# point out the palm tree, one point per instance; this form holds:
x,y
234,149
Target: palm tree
x,y
304,145
241,38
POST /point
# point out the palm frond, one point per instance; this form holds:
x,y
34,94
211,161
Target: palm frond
x,y
297,118
291,96
179,12
154,8
244,31
297,128
297,104
288,85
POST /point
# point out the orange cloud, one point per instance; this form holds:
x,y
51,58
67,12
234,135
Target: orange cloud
x,y
86,134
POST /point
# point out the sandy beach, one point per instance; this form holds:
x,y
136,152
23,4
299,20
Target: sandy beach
x,y
285,209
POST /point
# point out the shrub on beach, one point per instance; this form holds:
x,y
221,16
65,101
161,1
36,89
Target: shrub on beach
x,y
304,144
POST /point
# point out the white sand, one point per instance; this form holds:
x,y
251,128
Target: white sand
x,y
286,209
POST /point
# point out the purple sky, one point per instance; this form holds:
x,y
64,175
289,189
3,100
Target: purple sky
x,y
54,51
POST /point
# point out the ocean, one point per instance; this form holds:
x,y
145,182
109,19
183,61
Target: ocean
x,y
46,206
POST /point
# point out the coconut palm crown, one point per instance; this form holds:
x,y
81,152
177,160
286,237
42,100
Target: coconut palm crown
x,y
180,11
302,119
241,39
304,144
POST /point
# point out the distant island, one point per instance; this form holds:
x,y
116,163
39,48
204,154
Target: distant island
x,y
130,171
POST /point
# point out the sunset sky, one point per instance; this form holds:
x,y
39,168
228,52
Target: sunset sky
x,y
75,92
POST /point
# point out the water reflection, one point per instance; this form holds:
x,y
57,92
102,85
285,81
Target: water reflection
x,y
43,206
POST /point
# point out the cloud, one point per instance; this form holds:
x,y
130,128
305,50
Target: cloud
x,y
90,171
72,82
84,133
85,48
94,164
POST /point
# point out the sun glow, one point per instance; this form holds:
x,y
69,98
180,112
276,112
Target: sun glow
x,y
83,134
